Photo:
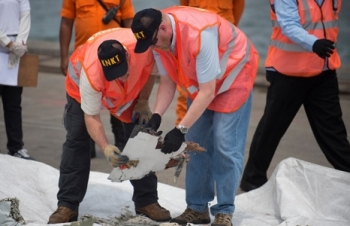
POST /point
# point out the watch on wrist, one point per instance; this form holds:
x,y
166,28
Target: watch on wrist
x,y
183,129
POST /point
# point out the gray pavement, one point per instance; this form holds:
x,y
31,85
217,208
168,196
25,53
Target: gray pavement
x,y
42,109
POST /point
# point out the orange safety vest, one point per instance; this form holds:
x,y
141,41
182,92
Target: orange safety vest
x,y
228,9
238,57
118,99
291,59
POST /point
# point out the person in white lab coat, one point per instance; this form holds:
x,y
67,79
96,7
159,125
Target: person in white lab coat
x,y
14,31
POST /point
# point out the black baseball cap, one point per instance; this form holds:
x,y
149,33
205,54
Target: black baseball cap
x,y
144,24
112,56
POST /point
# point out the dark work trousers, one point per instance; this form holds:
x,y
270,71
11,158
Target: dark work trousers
x,y
11,102
286,94
120,138
75,164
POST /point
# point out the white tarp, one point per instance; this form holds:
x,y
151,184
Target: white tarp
x,y
298,193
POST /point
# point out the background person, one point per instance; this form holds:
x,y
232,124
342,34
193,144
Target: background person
x,y
14,32
104,72
86,16
216,63
301,67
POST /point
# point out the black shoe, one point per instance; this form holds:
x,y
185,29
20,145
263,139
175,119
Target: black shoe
x,y
245,186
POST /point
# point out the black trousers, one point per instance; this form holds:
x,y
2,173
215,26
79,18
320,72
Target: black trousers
x,y
75,163
11,101
320,97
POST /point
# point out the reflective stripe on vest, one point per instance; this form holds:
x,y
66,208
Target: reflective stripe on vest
x,y
290,47
72,73
123,108
233,74
313,26
120,109
223,62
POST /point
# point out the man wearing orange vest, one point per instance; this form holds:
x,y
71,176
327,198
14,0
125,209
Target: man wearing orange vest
x,y
301,68
232,11
99,15
216,64
104,72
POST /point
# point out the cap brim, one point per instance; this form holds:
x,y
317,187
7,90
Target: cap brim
x,y
142,46
116,72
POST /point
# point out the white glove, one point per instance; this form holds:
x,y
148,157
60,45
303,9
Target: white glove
x,y
13,60
114,156
18,48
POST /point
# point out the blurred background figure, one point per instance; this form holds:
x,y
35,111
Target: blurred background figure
x,y
88,18
14,31
232,11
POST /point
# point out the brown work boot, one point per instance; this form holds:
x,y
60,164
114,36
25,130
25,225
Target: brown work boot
x,y
63,215
222,220
154,212
193,217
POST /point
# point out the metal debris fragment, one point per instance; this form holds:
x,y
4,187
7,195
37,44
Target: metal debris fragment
x,y
179,160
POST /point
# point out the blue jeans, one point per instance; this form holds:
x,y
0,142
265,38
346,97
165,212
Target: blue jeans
x,y
220,167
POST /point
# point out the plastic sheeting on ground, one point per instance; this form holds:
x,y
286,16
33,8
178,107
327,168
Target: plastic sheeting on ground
x,y
298,193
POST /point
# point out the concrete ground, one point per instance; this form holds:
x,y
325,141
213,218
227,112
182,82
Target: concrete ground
x,y
44,134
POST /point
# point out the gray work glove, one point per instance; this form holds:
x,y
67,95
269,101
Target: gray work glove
x,y
114,156
18,49
141,113
13,60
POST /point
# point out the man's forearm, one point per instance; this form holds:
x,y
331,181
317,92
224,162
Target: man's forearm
x,y
96,130
165,95
65,35
204,97
146,91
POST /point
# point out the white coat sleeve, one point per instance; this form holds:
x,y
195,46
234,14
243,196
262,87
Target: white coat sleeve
x,y
4,40
24,27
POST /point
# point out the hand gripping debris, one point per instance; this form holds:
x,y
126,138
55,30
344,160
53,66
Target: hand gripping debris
x,y
143,150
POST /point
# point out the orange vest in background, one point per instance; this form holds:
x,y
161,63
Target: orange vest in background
x,y
118,99
228,9
238,57
291,59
